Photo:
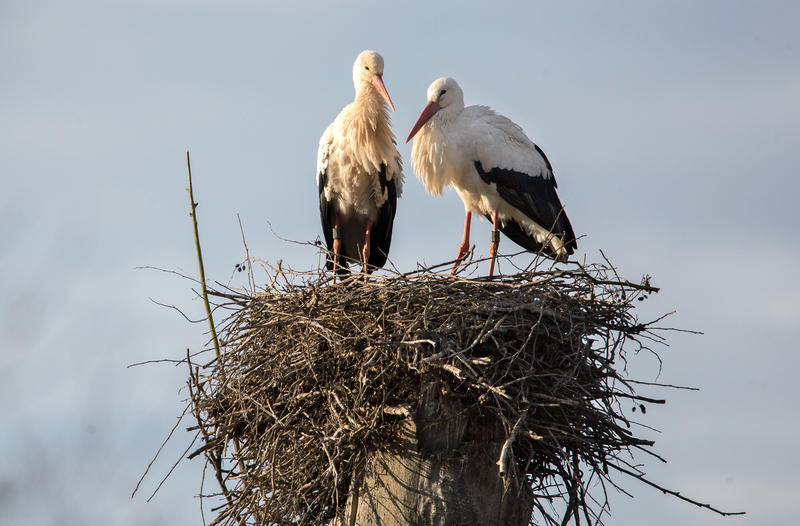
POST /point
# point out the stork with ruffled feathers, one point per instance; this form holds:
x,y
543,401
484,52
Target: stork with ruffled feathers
x,y
359,173
495,169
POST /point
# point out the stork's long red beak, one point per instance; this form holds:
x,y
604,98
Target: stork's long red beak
x,y
429,111
377,83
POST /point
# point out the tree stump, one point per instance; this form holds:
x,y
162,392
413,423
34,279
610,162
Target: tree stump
x,y
441,471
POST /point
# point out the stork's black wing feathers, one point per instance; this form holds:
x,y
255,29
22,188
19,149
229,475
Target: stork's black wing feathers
x,y
536,197
326,215
381,237
547,163
518,235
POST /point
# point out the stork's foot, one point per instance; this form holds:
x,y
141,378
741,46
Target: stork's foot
x,y
495,242
493,253
365,258
338,269
337,247
463,251
366,250
493,250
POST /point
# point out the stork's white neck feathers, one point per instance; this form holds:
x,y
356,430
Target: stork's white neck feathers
x,y
428,156
429,151
364,133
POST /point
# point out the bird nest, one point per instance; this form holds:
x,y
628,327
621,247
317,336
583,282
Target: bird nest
x,y
314,376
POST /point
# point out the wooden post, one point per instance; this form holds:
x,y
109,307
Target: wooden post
x,y
438,473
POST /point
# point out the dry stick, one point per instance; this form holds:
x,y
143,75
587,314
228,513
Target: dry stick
x,y
164,443
173,307
674,493
166,271
193,214
202,484
250,278
663,385
175,465
215,461
505,454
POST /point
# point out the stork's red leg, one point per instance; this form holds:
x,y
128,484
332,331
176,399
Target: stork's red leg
x,y
366,249
463,249
495,243
337,244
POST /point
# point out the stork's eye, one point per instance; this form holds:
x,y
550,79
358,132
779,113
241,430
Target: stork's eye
x,y
442,92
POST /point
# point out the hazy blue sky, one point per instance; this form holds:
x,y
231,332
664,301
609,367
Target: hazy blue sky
x,y
673,129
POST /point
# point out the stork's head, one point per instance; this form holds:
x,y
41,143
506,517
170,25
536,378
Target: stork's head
x,y
368,74
443,93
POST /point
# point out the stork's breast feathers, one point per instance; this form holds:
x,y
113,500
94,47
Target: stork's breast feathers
x,y
359,156
358,181
428,158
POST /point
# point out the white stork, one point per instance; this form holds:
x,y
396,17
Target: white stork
x,y
359,173
494,168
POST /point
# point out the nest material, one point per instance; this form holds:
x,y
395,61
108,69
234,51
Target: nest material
x,y
313,377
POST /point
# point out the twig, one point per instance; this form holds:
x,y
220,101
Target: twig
x,y
173,307
175,465
250,279
674,493
164,443
506,452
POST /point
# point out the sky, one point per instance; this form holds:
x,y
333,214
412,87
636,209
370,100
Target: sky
x,y
673,129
